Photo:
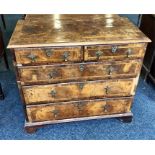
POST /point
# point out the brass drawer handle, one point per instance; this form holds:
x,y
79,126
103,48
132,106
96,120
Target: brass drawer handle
x,y
110,70
107,89
98,54
129,51
32,57
65,56
53,93
48,52
81,68
55,112
114,49
52,74
106,108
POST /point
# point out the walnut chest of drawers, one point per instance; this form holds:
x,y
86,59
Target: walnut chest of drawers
x,y
76,67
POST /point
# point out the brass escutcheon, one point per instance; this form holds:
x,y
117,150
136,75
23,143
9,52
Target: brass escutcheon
x,y
48,52
65,56
55,112
114,49
81,85
81,68
106,108
107,89
52,74
110,70
129,51
53,93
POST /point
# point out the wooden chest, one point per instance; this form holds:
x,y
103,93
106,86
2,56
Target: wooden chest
x,y
76,67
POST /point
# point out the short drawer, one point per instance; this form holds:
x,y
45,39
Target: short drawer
x,y
78,71
78,90
34,56
70,110
114,52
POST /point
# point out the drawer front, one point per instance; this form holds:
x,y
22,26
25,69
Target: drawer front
x,y
82,71
67,110
114,52
48,55
78,90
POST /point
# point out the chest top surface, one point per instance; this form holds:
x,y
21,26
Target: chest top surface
x,y
78,17
69,30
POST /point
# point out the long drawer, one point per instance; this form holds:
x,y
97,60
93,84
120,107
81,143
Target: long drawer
x,y
35,56
114,52
78,90
79,71
66,110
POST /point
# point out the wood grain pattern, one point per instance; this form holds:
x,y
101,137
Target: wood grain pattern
x,y
124,51
48,55
50,17
73,32
77,67
78,109
118,116
78,90
78,72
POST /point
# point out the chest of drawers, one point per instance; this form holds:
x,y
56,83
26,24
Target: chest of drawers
x,y
76,67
